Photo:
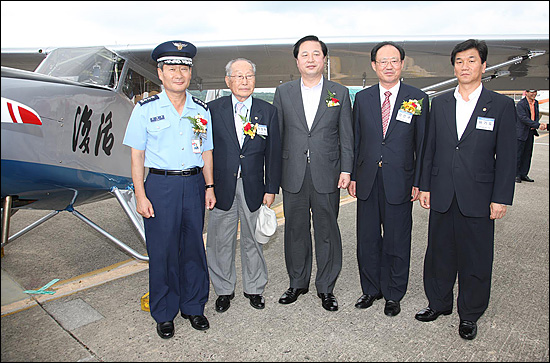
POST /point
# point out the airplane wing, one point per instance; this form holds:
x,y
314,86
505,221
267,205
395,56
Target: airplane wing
x,y
63,124
427,61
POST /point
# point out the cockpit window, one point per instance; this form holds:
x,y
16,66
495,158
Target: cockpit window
x,y
92,65
138,87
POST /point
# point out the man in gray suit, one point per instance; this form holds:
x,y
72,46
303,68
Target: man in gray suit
x,y
317,159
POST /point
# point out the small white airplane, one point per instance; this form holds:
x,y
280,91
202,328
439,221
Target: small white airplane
x,y
63,123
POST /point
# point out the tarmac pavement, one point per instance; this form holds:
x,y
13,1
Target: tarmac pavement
x,y
95,313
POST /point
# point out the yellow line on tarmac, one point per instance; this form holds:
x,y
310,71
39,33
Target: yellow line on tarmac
x,y
109,273
79,283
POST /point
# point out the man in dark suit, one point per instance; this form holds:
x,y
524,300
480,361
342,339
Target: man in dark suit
x,y
467,181
317,138
247,152
389,120
526,129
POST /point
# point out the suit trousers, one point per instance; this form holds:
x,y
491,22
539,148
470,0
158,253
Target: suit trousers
x,y
383,259
221,244
298,243
461,245
525,152
178,273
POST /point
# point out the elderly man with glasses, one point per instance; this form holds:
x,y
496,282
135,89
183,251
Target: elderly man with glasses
x,y
247,173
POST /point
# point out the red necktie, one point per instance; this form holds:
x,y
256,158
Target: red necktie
x,y
386,112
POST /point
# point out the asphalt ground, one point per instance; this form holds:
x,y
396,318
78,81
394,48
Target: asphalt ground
x,y
95,313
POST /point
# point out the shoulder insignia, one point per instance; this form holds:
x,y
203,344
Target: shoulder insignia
x,y
148,99
200,102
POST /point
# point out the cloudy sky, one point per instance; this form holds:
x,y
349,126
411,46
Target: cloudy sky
x,y
47,24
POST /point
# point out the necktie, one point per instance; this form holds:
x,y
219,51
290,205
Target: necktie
x,y
386,112
240,109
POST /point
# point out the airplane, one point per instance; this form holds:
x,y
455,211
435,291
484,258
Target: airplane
x,y
65,110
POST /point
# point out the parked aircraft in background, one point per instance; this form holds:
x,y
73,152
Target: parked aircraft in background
x,y
63,123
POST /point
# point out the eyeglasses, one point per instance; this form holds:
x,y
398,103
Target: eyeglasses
x,y
241,77
394,62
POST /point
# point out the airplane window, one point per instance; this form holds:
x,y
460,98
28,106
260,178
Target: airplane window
x,y
137,87
92,65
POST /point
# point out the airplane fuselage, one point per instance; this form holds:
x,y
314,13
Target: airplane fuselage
x,y
74,154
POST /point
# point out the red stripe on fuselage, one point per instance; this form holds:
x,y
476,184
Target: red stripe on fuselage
x,y
11,112
28,117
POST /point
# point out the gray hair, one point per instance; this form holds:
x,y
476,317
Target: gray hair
x,y
230,64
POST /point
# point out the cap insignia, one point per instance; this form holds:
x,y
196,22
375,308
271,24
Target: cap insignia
x,y
180,45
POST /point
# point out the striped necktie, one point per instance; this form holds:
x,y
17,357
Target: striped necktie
x,y
386,112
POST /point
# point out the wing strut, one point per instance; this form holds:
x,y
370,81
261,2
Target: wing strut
x,y
126,200
516,60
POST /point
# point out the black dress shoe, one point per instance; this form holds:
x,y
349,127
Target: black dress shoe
x,y
527,179
518,179
291,295
198,322
467,329
366,301
165,330
429,314
223,302
256,300
392,308
328,301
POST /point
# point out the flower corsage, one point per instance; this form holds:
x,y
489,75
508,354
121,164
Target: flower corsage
x,y
414,107
250,129
331,100
199,125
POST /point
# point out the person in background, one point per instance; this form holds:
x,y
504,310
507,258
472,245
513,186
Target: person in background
x,y
526,128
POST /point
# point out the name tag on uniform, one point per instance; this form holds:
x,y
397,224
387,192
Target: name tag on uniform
x,y
196,146
485,123
404,116
157,118
262,130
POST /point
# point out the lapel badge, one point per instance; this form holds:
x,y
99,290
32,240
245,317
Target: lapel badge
x,y
484,109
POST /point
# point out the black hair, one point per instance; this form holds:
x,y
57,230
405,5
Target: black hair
x,y
380,45
308,38
480,45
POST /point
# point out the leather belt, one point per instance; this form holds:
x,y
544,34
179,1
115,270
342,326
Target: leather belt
x,y
186,172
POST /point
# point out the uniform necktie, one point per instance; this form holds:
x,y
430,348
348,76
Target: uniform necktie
x,y
386,112
240,109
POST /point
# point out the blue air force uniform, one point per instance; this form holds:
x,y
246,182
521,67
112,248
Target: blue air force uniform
x,y
178,273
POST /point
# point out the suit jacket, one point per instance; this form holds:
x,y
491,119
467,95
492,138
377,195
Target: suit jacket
x,y
254,155
524,122
401,150
479,168
330,140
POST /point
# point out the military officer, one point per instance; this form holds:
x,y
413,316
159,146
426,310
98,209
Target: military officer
x,y
170,133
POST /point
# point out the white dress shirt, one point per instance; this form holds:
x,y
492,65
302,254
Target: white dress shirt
x,y
464,109
394,90
310,99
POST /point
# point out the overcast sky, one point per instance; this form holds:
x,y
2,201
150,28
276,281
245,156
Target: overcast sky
x,y
46,24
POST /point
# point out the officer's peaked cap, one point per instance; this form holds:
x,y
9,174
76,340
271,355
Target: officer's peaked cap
x,y
174,52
